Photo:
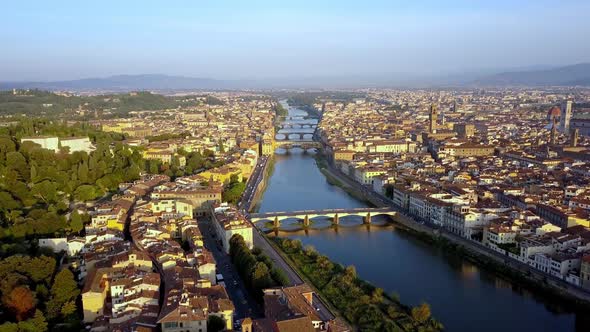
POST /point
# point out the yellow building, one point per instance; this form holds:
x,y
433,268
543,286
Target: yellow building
x,y
138,132
116,127
347,155
165,156
115,224
222,174
267,147
94,293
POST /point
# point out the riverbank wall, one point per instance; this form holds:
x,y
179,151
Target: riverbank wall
x,y
261,188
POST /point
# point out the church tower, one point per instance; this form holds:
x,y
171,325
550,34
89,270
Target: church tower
x,y
553,135
433,117
566,116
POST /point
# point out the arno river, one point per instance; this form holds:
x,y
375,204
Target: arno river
x,y
462,296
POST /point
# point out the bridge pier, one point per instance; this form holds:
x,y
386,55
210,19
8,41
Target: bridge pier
x,y
276,224
336,219
306,221
367,218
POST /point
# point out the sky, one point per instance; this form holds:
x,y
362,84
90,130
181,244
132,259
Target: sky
x,y
60,40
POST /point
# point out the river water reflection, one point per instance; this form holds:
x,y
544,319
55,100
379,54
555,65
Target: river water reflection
x,y
462,296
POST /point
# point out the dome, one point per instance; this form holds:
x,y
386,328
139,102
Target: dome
x,y
554,113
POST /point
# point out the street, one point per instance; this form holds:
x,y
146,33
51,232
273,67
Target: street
x,y
244,303
252,184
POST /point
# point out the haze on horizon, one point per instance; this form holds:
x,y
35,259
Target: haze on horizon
x,y
60,40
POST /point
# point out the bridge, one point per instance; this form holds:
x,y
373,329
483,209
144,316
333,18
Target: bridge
x,y
305,145
298,126
301,135
335,214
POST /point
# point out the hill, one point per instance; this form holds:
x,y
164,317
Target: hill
x,y
125,83
578,74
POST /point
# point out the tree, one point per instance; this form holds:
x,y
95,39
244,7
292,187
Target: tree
x,y
63,290
68,309
21,301
377,295
421,313
76,222
215,324
154,166
86,193
46,191
83,173
261,278
350,271
233,192
35,324
9,327
310,251
279,277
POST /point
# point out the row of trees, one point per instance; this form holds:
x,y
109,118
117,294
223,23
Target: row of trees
x,y
280,110
34,297
365,306
255,268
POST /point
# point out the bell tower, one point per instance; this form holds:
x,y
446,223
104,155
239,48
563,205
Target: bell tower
x,y
433,117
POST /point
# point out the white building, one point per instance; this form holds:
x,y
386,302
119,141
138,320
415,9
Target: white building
x,y
77,144
54,143
46,142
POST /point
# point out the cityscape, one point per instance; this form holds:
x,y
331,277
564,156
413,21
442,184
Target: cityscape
x,y
328,189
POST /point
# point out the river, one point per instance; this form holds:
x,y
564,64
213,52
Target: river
x,y
462,296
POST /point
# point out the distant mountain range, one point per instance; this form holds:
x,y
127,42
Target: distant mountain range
x,y
128,83
561,76
578,74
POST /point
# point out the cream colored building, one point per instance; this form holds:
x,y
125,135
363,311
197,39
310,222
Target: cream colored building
x,y
227,221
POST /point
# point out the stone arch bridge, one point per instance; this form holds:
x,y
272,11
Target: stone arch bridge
x,y
305,145
335,214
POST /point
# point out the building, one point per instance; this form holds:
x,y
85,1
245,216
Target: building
x,y
46,142
202,198
461,150
585,271
582,124
566,117
267,147
464,130
291,309
76,144
227,221
347,155
433,119
187,308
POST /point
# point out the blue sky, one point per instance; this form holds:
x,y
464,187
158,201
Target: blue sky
x,y
52,40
